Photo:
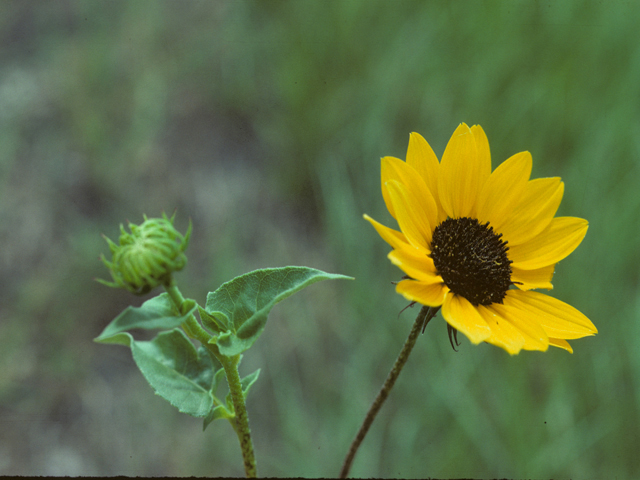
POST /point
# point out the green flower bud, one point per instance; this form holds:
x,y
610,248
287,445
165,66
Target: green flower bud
x,y
146,257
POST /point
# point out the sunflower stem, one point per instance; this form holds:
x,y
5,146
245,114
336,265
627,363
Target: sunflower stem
x,y
425,315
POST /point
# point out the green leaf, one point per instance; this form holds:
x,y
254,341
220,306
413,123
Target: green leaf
x,y
214,324
244,302
249,380
157,312
217,378
177,371
119,339
218,412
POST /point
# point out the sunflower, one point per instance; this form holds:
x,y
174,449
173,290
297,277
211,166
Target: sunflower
x,y
477,242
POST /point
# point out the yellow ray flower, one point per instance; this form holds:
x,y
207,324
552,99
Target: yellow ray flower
x,y
476,242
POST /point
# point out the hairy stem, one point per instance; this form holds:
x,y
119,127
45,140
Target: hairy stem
x,y
425,315
230,365
240,422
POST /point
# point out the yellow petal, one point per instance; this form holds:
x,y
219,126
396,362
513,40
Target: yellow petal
x,y
537,278
392,237
560,320
484,157
430,294
395,169
503,333
421,157
484,154
535,210
460,177
559,239
535,337
464,317
417,266
503,189
388,172
558,342
411,215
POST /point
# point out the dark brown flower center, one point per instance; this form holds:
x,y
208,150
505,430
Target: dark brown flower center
x,y
472,260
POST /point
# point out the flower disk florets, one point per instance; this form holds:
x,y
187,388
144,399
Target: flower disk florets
x,y
472,260
146,257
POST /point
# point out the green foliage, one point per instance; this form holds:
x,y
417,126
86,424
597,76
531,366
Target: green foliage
x,y
211,322
186,377
156,313
218,412
177,371
248,381
170,363
243,304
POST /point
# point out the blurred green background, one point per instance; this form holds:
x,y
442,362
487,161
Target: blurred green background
x,y
264,122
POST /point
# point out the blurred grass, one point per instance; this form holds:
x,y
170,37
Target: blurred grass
x,y
264,122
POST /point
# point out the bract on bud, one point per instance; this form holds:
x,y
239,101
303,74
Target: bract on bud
x,y
146,257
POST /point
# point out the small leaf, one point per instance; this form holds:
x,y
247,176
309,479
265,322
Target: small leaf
x,y
217,378
157,312
245,302
188,306
249,380
177,371
218,412
217,325
119,339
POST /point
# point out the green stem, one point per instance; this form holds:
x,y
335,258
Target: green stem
x,y
230,365
425,315
191,326
240,422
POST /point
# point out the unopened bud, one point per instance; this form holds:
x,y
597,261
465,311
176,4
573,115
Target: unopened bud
x,y
146,257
